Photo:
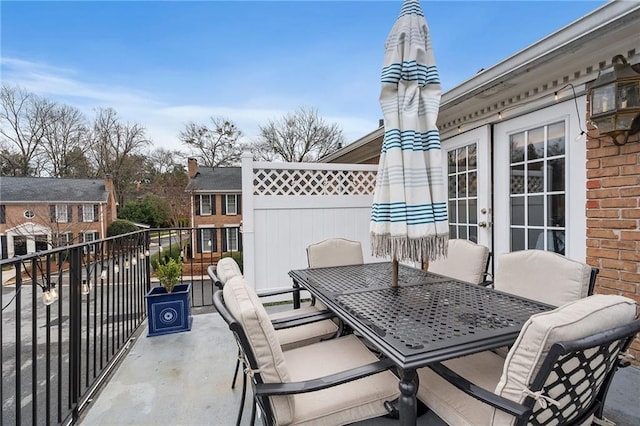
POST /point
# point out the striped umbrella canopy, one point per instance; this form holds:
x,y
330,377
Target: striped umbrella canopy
x,y
409,213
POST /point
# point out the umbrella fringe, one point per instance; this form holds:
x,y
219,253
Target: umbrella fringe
x,y
404,248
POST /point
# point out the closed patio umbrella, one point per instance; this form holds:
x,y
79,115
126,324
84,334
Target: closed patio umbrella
x,y
409,212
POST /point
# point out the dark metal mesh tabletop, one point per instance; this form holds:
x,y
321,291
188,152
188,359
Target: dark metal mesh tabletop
x,y
437,314
426,312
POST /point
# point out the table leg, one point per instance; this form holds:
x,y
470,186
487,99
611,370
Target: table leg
x,y
296,295
407,404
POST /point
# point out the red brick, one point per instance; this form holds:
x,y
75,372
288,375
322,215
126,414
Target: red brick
x,y
630,148
619,224
593,204
619,160
629,255
593,243
620,181
606,151
593,184
595,223
630,192
603,253
630,235
620,265
603,172
622,245
593,143
604,233
603,193
610,213
630,170
633,278
630,213
618,202
593,164
609,273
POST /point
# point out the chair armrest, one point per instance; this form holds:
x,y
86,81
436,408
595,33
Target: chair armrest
x,y
278,292
325,382
490,398
296,320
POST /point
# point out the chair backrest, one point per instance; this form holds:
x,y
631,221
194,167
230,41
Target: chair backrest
x,y
226,269
465,261
334,252
543,276
566,354
255,334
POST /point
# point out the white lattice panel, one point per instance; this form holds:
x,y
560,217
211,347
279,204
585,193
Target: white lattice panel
x,y
313,182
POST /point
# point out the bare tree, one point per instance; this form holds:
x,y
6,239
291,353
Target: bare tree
x,y
117,150
66,142
301,136
23,120
214,145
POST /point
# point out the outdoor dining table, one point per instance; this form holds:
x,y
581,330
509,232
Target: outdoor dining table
x,y
427,318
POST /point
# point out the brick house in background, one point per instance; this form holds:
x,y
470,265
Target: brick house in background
x,y
41,213
215,195
525,167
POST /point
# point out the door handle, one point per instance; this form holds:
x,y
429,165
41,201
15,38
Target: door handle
x,y
483,224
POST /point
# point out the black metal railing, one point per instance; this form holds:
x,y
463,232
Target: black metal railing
x,y
70,313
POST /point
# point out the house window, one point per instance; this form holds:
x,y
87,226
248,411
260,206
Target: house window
x,y
232,239
64,239
231,204
463,192
19,245
206,205
61,214
88,214
29,214
41,242
3,212
88,237
538,188
207,240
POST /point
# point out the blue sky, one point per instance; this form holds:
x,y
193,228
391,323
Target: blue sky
x,y
164,63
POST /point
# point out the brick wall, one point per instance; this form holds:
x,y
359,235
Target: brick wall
x,y
613,217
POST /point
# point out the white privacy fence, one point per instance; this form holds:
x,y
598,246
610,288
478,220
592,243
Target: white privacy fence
x,y
287,206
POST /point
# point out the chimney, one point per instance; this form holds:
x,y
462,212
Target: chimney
x,y
381,122
192,167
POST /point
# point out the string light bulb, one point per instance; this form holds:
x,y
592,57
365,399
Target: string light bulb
x,y
47,299
103,274
116,268
126,264
499,115
141,255
555,96
146,253
134,261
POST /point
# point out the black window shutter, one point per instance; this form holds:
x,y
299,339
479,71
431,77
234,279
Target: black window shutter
x,y
52,213
239,241
3,212
223,232
214,240
224,204
199,241
80,218
96,218
197,201
238,198
213,204
69,214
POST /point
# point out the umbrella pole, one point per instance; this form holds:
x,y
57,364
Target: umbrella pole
x,y
394,273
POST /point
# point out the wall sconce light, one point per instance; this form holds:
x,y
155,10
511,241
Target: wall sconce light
x,y
615,101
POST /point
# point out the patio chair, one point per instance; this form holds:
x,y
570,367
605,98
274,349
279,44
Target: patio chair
x,y
334,252
544,276
557,372
465,261
299,386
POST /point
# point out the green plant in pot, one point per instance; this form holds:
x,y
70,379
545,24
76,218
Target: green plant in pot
x,y
169,273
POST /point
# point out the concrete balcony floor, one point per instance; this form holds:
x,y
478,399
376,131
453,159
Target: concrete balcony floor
x,y
184,379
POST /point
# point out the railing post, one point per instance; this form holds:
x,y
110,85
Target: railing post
x,y
75,326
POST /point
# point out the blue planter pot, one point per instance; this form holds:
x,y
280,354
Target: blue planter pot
x,y
169,312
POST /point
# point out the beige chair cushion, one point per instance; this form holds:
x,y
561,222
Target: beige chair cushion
x,y
456,407
303,335
226,269
574,320
543,276
334,252
246,308
465,261
347,403
509,377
